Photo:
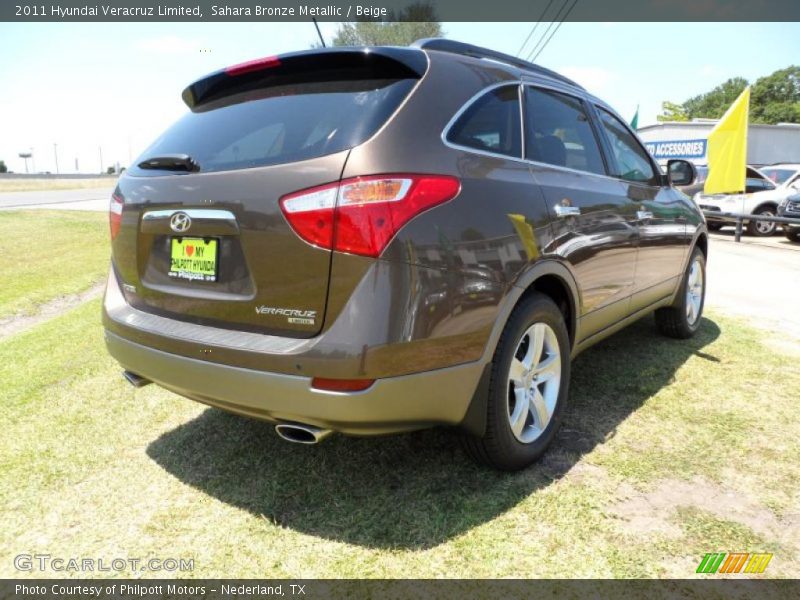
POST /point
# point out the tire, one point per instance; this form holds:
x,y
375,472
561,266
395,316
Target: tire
x,y
714,226
792,234
536,408
682,319
763,228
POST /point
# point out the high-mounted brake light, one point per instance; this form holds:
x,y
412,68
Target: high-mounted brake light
x,y
115,214
258,64
361,215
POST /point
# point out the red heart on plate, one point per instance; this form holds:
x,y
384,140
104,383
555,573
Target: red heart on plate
x,y
189,250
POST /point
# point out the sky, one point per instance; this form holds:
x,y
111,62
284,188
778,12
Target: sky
x,y
72,92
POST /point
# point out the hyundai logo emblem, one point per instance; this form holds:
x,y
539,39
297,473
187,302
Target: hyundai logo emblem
x,y
180,222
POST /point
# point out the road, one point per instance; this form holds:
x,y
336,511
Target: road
x,y
758,278
82,199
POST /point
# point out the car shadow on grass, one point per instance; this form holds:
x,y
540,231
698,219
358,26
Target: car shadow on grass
x,y
417,490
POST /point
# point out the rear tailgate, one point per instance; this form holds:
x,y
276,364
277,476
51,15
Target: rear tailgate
x,y
209,244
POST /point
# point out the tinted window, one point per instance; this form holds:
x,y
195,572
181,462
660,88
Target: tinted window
x,y
633,163
756,184
491,123
281,124
558,132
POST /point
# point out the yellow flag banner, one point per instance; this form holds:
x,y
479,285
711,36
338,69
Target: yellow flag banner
x,y
727,149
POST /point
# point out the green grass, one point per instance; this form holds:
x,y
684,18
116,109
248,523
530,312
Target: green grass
x,y
48,254
90,467
38,185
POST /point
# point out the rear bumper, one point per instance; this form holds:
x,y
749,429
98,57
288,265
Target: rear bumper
x,y
390,405
426,371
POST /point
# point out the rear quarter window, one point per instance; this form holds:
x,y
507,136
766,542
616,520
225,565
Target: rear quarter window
x,y
491,123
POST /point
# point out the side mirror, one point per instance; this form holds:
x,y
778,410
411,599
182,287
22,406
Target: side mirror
x,y
681,172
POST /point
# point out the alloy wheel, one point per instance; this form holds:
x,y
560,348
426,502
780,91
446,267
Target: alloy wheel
x,y
765,227
534,380
694,292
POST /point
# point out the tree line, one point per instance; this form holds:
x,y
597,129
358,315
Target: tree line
x,y
774,99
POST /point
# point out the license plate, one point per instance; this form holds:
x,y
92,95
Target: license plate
x,y
194,259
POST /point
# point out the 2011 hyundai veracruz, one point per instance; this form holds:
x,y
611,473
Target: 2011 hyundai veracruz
x,y
377,240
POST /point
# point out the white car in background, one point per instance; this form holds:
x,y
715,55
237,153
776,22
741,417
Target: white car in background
x,y
765,189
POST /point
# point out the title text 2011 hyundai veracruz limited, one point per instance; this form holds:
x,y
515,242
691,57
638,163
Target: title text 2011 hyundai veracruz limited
x,y
377,240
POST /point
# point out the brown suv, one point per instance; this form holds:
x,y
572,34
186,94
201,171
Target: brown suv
x,y
376,240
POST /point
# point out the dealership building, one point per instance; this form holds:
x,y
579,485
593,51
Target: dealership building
x,y
766,144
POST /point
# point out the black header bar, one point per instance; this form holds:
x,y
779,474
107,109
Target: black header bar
x,y
395,10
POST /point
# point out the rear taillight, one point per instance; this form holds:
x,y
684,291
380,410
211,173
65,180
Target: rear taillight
x,y
361,215
115,214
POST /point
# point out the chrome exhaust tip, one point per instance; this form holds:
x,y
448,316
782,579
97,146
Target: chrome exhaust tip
x,y
301,434
135,380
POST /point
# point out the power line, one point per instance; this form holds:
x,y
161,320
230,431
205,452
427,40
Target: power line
x,y
535,27
550,25
319,33
555,30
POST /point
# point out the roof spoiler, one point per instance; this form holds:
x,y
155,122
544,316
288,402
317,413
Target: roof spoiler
x,y
453,47
296,67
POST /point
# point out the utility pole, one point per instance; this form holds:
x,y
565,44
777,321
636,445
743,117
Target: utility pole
x,y
55,154
33,161
77,170
101,159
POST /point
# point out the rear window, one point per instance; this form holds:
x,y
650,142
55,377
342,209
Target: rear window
x,y
280,124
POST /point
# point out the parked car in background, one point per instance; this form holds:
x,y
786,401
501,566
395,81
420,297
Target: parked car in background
x,y
761,197
790,208
370,241
787,177
697,186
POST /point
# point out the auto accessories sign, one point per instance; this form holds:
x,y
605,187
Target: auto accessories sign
x,y
677,148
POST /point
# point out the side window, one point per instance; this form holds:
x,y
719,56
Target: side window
x,y
491,123
632,160
558,132
756,184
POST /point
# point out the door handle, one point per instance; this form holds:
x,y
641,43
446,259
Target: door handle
x,y
643,214
567,211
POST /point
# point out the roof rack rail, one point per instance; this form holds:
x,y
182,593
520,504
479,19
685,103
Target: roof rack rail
x,y
444,45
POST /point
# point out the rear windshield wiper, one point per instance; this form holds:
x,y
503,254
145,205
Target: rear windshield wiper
x,y
171,162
